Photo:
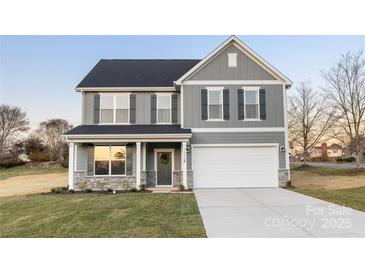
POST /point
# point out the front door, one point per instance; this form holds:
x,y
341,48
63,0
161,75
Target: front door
x,y
164,168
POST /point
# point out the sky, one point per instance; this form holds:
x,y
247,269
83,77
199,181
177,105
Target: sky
x,y
39,73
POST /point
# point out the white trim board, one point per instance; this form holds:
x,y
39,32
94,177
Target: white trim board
x,y
156,89
240,129
232,82
237,145
246,50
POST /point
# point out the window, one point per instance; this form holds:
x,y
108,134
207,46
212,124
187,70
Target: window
x,y
163,109
215,104
114,108
251,104
110,160
232,60
107,108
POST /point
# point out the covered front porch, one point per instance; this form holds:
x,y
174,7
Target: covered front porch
x,y
126,161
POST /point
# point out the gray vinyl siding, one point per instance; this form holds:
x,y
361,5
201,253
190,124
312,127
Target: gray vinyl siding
x,y
143,108
192,108
88,108
81,161
239,138
217,68
150,162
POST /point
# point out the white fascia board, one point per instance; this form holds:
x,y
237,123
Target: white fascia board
x,y
245,49
127,137
157,89
126,140
240,129
232,82
237,145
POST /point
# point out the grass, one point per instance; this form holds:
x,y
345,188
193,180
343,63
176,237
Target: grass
x,y
27,170
97,215
351,197
324,171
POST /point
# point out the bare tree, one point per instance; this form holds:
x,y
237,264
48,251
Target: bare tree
x,y
50,132
309,120
345,90
12,121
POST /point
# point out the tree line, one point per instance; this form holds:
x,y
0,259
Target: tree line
x,y
334,111
42,144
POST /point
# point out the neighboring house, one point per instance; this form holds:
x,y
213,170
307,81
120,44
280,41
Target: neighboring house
x,y
219,122
326,153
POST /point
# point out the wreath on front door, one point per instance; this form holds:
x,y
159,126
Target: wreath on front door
x,y
164,159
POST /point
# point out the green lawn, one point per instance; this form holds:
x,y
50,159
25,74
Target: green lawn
x,y
98,215
351,197
26,170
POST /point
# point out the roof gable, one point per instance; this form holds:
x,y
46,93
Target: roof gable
x,y
217,68
244,49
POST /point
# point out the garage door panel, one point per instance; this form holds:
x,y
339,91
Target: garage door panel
x,y
225,167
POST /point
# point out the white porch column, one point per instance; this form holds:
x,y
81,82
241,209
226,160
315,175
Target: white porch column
x,y
144,158
138,165
184,164
71,165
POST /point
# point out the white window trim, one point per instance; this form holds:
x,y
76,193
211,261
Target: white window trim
x,y
157,108
257,89
110,162
208,91
115,109
230,56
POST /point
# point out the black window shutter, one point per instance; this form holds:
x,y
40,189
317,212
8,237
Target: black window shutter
x,y
96,109
204,104
132,108
129,161
174,108
262,104
241,104
153,108
90,160
226,104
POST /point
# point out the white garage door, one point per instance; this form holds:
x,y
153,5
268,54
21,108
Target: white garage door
x,y
235,166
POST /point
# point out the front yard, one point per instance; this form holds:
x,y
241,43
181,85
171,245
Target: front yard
x,y
97,215
29,170
340,186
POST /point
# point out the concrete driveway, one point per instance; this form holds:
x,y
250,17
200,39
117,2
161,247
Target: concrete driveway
x,y
274,212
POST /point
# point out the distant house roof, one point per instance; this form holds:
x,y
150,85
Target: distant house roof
x,y
136,72
335,146
127,129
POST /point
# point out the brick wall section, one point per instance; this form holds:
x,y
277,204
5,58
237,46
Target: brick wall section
x,y
283,177
82,182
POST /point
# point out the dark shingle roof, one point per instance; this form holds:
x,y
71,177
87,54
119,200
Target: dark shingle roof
x,y
127,129
137,72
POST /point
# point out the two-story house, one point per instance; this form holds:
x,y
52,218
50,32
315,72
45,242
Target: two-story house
x,y
219,122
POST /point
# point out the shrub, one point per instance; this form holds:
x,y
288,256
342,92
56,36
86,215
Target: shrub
x,y
11,162
349,159
126,185
71,191
181,187
88,190
142,187
58,189
133,189
110,190
38,156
